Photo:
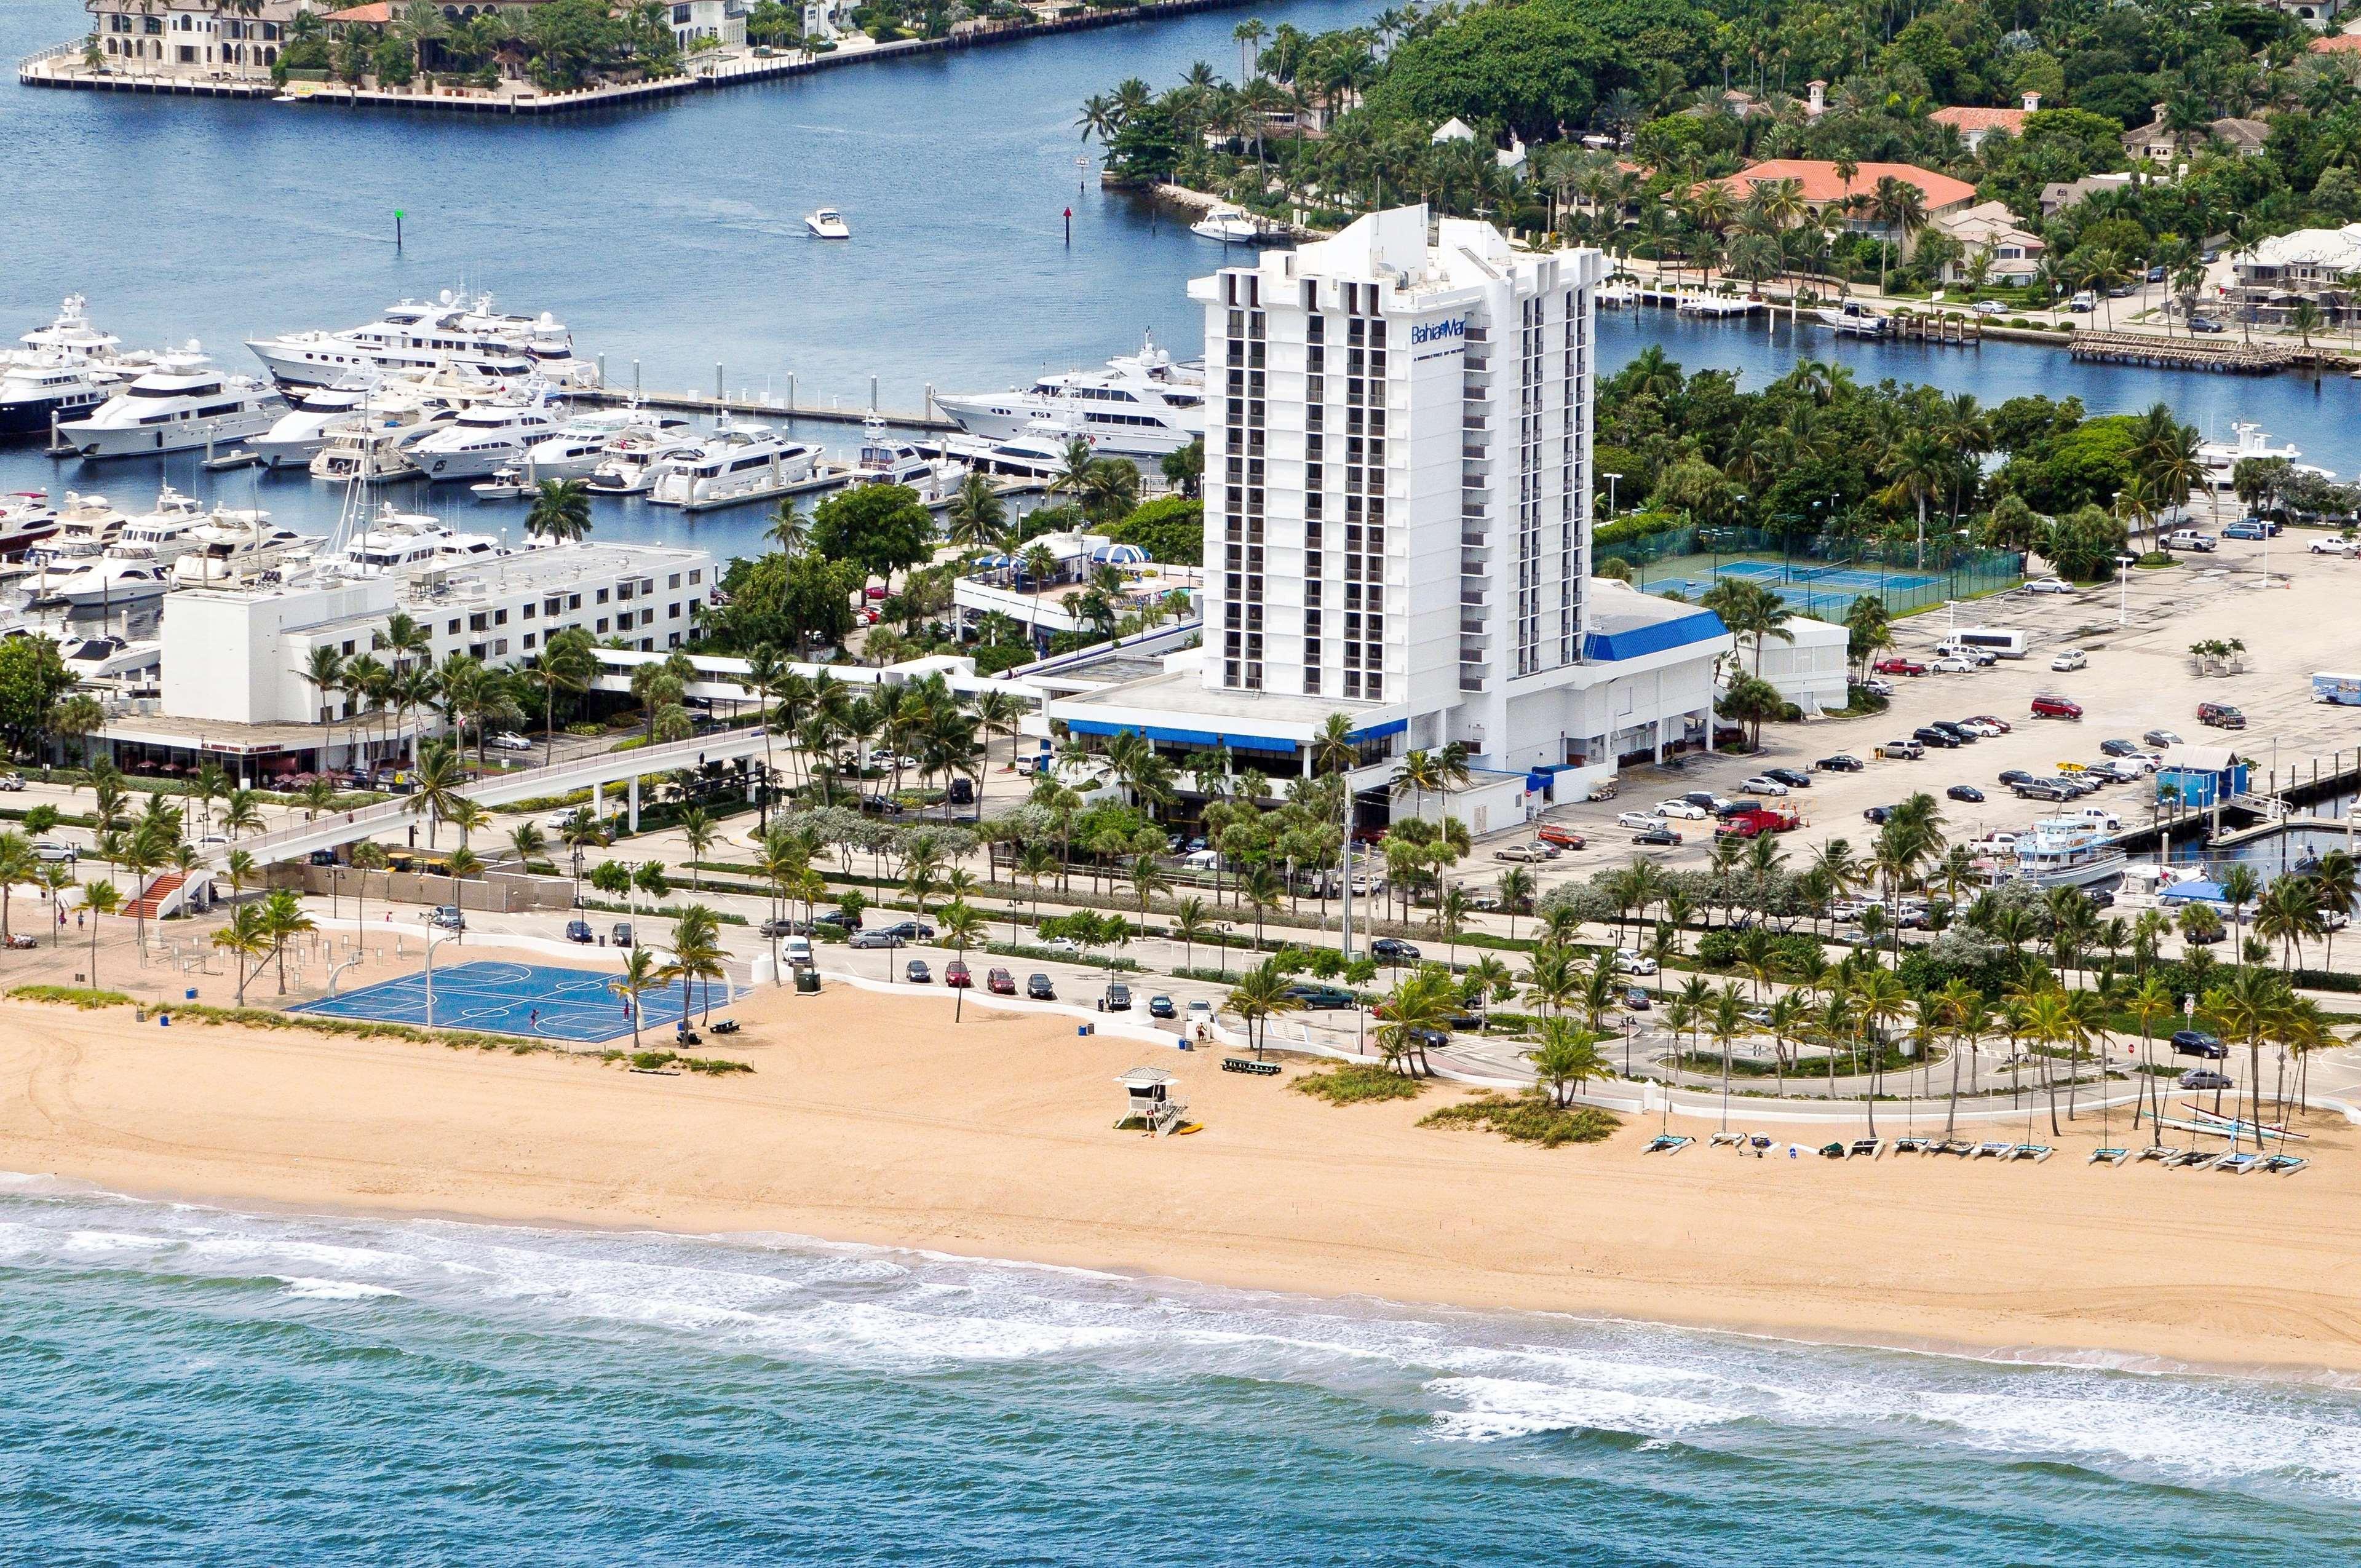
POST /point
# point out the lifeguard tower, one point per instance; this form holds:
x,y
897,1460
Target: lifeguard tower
x,y
1154,1099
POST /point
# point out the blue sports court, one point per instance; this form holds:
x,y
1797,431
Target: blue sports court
x,y
1799,582
536,1001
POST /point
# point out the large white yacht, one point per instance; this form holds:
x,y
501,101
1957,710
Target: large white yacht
x,y
884,459
739,463
1145,403
431,335
636,459
237,547
85,525
136,564
486,437
25,518
2249,443
180,405
113,661
297,435
399,543
574,449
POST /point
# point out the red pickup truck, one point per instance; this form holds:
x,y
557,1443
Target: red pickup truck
x,y
1564,838
1754,824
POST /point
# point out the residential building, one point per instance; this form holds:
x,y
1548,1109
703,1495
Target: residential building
x,y
2159,144
1831,197
699,22
2061,194
2314,264
2337,43
1991,229
1974,125
198,38
1398,508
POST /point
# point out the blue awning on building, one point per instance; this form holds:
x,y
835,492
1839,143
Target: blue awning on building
x,y
1205,737
1637,642
1379,731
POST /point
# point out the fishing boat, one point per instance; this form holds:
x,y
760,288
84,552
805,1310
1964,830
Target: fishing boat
x,y
1854,319
2066,851
505,484
1231,225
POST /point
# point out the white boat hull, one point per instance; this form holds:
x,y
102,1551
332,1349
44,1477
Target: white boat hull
x,y
98,442
684,490
474,463
2082,874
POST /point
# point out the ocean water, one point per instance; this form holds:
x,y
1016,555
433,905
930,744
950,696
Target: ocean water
x,y
194,1384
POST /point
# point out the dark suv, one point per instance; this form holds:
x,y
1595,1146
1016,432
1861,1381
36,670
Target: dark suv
x,y
1928,735
2198,1043
1393,950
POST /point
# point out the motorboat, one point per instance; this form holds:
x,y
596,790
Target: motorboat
x,y
575,448
1145,404
25,518
357,449
233,547
2068,851
398,544
181,403
737,464
298,435
447,332
827,224
63,371
636,459
107,660
136,565
488,436
1854,319
505,484
85,525
886,459
1231,225
2248,444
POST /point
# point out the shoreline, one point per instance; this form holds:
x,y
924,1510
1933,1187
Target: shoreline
x,y
873,1121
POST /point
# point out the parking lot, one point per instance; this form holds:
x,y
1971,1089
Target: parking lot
x,y
2138,678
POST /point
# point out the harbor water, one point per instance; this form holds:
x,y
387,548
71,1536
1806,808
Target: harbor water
x,y
672,237
185,1384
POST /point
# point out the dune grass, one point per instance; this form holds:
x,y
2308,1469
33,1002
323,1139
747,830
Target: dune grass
x,y
1528,1118
1357,1083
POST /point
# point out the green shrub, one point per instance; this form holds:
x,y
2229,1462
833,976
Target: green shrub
x,y
1358,1082
83,996
1002,656
1531,1117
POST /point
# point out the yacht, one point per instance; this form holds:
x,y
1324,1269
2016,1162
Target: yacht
x,y
1854,319
636,459
25,518
483,438
2067,851
827,224
739,463
1144,404
232,547
2249,443
298,435
112,660
883,459
397,543
575,448
65,369
181,403
447,332
1231,225
85,525
137,564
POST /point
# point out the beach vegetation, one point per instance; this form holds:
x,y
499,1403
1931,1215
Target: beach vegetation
x,y
1534,1116
83,996
1356,1083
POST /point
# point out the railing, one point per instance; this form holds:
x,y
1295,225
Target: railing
x,y
1476,453
1475,538
53,53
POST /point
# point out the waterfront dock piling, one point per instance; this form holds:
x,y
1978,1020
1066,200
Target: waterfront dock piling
x,y
2184,353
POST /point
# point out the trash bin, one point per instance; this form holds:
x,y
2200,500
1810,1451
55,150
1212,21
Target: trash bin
x,y
808,981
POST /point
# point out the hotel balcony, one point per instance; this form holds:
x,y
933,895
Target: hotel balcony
x,y
1474,538
1471,597
1479,629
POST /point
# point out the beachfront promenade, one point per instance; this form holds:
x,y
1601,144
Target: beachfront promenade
x,y
62,65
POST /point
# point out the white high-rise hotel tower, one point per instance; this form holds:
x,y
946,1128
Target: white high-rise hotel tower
x,y
1398,495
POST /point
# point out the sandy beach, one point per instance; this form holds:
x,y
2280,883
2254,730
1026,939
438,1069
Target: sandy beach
x,y
876,1119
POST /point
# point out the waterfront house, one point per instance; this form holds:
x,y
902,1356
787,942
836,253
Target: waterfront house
x,y
1833,200
1974,125
1989,227
205,39
2309,264
2161,145
2061,194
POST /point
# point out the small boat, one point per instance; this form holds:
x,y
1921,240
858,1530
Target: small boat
x,y
2181,1159
1994,1151
826,223
1866,1148
2215,1119
2239,1164
1854,319
1832,1151
1231,225
1914,1145
1726,1140
1959,1147
505,484
2112,1156
2284,1164
2163,1152
1667,1142
2036,1153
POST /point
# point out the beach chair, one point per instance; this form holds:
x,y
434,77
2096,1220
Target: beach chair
x,y
1866,1148
1667,1142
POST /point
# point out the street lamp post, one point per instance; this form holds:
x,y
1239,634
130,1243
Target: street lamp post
x,y
2123,591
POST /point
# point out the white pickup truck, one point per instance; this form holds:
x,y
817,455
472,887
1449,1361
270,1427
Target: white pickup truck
x,y
2348,548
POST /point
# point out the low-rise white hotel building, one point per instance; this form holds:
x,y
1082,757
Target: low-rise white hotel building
x,y
1398,512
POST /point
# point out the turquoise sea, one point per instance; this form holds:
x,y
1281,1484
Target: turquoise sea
x,y
192,1385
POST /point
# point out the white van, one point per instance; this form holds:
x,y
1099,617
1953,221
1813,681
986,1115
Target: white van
x,y
795,952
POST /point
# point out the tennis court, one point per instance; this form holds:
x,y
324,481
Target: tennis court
x,y
538,1001
1796,581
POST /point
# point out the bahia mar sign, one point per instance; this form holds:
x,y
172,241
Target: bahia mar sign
x,y
1431,340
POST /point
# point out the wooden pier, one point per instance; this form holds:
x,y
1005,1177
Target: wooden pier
x,y
766,408
2184,353
1911,326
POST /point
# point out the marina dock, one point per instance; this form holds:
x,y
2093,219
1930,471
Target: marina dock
x,y
785,407
2186,353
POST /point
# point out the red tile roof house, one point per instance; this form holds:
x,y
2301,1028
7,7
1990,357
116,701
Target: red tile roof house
x,y
1975,124
1823,190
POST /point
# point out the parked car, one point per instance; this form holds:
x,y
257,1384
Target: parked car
x,y
1990,308
911,931
2119,748
1877,813
447,917
2247,529
1637,1001
1393,950
865,939
2049,586
1952,665
1313,994
2083,303
916,972
54,853
577,931
1065,947
1200,1011
2198,1043
1162,1006
957,976
1116,998
2347,548
2204,1078
1630,960
1682,809
1842,762
1558,836
1763,784
2103,817
1000,982
847,919
2002,725
620,934
2055,707
2205,323
1900,667
1525,852
1639,820
510,740
769,929
2042,789
1981,727
1956,730
1658,837
2220,715
1793,778
2190,539
1876,685
2070,659
2016,776
1039,988
1705,799
1928,735
1968,793
12,782
2159,739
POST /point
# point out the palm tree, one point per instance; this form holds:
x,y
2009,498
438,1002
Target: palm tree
x,y
99,898
1191,922
281,916
529,842
788,528
1260,994
247,936
435,788
976,514
323,672
698,955
17,863
698,827
1568,1053
640,975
